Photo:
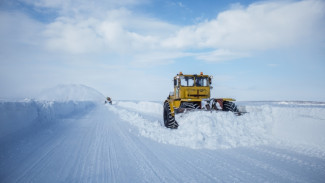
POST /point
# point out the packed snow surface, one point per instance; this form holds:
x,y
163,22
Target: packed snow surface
x,y
81,140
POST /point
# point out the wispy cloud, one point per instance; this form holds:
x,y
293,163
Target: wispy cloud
x,y
233,34
260,26
272,65
221,55
90,40
120,30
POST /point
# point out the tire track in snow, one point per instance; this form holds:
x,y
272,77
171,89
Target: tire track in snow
x,y
288,157
278,173
197,170
148,171
228,167
34,153
97,164
81,152
302,165
40,163
81,161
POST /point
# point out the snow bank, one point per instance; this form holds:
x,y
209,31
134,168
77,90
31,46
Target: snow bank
x,y
56,103
266,122
15,116
71,92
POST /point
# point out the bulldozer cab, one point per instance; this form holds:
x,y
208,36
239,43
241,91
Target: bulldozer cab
x,y
192,86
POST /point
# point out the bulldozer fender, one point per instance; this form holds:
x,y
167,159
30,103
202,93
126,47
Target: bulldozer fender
x,y
171,106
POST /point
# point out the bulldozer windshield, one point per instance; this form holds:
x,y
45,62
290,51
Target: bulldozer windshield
x,y
194,81
187,81
201,81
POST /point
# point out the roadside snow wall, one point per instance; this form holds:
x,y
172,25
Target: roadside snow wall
x,y
18,115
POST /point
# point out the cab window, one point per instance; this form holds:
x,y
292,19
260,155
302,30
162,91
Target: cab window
x,y
201,81
187,81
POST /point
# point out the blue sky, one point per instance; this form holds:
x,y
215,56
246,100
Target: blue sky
x,y
131,49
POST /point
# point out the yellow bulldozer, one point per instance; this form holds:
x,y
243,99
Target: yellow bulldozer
x,y
192,92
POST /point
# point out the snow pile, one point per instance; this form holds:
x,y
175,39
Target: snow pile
x,y
15,116
56,103
264,124
71,92
224,129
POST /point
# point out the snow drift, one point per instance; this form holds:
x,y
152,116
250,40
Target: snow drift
x,y
15,116
267,122
71,92
56,103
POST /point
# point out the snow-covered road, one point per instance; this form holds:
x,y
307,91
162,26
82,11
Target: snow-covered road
x,y
109,144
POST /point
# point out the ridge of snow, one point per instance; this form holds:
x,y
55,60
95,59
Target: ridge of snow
x,y
15,116
72,92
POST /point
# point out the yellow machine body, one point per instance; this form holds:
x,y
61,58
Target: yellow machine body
x,y
190,89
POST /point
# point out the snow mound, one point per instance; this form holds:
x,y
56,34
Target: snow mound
x,y
264,124
72,92
16,116
214,130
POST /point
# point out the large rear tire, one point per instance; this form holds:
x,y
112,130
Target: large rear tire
x,y
169,119
229,106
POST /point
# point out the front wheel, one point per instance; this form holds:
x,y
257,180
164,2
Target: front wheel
x,y
169,119
229,106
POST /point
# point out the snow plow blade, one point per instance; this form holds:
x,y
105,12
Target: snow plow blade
x,y
241,110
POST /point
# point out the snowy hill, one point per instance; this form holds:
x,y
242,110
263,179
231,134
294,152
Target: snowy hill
x,y
71,92
71,136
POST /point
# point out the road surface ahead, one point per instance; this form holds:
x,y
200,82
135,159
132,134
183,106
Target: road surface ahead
x,y
101,147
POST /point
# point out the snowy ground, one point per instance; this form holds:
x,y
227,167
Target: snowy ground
x,y
61,140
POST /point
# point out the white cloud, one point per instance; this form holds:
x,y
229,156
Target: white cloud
x,y
119,30
272,65
72,36
221,55
180,4
106,27
147,59
19,35
260,26
74,5
18,28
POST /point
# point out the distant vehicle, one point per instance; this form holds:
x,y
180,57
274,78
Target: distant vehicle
x,y
109,100
192,92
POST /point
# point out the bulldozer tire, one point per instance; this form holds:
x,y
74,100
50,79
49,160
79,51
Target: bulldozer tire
x,y
229,106
169,119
